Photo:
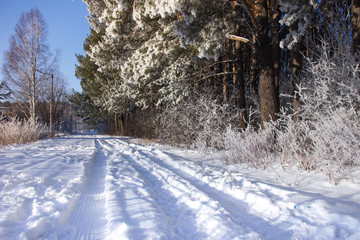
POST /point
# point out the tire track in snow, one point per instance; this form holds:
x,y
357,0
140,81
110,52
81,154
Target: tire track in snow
x,y
237,211
182,200
179,218
88,219
139,202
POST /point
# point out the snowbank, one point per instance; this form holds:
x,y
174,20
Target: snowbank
x,y
40,184
101,187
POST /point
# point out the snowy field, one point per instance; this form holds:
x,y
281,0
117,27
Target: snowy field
x,y
101,187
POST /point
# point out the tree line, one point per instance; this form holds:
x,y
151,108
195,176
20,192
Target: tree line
x,y
271,82
148,55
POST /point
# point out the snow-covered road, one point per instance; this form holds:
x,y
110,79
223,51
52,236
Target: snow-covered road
x,y
101,187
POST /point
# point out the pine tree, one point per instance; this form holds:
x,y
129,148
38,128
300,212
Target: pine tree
x,y
139,60
86,109
150,53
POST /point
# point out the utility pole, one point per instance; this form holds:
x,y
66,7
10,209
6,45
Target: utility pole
x,y
51,100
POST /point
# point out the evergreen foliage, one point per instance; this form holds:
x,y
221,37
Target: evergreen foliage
x,y
255,57
86,109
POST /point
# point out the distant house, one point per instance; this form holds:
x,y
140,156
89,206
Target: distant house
x,y
8,109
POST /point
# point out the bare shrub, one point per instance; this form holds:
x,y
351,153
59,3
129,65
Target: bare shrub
x,y
252,146
337,144
19,132
330,105
294,144
198,121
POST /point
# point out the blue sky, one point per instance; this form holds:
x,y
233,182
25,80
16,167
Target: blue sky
x,y
66,24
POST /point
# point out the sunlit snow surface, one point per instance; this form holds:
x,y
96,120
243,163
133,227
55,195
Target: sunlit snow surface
x,y
101,187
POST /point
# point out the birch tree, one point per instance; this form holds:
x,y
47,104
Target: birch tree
x,y
27,56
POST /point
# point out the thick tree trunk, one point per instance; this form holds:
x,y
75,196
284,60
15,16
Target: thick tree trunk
x,y
267,89
355,9
119,126
239,82
274,14
238,77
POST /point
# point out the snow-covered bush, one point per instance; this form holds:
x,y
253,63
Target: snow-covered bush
x,y
198,121
331,104
337,143
294,145
284,142
17,132
251,146
326,133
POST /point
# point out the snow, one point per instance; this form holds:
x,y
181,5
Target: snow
x,y
102,187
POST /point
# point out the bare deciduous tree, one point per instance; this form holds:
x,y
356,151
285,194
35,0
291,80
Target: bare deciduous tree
x,y
59,101
3,94
28,53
